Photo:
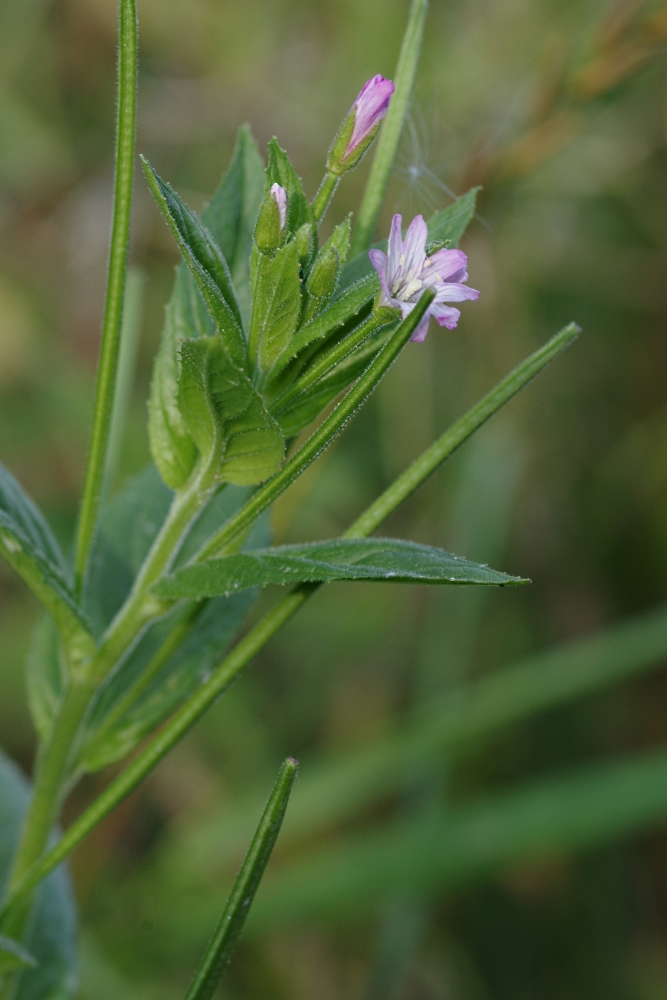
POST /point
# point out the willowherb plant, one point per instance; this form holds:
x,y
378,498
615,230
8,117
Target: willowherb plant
x,y
266,327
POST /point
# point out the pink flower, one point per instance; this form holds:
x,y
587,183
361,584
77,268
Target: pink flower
x,y
405,271
279,195
369,109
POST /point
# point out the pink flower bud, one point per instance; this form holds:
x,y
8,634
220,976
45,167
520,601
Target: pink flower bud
x,y
279,194
369,109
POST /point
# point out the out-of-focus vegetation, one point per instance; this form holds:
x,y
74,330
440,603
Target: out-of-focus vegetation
x,y
392,891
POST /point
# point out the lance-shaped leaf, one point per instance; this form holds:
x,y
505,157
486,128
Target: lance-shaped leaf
x,y
226,416
446,226
304,408
27,544
381,559
276,306
280,171
232,212
206,262
46,960
230,217
344,308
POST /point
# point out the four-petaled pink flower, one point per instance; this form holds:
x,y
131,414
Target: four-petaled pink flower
x,y
405,271
279,195
369,109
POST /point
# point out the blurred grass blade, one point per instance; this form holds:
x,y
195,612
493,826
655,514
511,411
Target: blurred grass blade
x,y
267,627
240,899
589,806
113,313
390,133
336,788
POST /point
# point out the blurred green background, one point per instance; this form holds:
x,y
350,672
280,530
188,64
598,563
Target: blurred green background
x,y
558,108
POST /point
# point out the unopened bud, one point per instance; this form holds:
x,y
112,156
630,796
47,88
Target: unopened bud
x,y
271,220
361,125
323,277
304,242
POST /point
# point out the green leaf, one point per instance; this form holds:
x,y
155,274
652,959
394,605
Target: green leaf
x,y
232,211
582,809
280,171
14,956
340,239
302,410
27,544
225,415
135,698
449,225
339,312
240,899
173,450
206,262
230,217
51,940
276,306
381,559
127,708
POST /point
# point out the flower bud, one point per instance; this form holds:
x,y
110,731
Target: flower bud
x,y
304,242
361,125
271,220
323,277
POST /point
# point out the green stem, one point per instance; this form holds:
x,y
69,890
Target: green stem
x,y
257,638
113,314
446,445
172,642
390,133
140,606
323,197
240,899
51,773
328,361
322,437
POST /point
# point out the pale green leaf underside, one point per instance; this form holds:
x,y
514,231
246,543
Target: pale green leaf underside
x,y
51,938
206,262
27,544
276,306
226,416
381,559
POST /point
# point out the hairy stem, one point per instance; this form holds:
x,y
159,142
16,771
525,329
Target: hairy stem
x,y
113,313
231,922
327,361
390,133
257,638
323,197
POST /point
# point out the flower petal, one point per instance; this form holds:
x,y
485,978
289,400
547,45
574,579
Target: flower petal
x,y
419,336
395,248
370,108
449,265
446,316
414,247
455,293
380,263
